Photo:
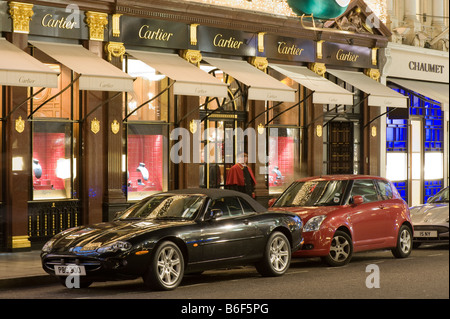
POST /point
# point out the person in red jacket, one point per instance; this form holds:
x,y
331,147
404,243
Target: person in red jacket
x,y
240,176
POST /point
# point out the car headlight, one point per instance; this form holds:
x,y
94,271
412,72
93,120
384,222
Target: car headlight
x,y
114,247
48,246
313,224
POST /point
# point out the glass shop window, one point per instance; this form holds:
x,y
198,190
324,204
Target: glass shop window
x,y
284,152
52,162
143,103
147,160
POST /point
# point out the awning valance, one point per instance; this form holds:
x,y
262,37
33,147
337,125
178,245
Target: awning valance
x,y
379,94
324,91
433,90
96,73
189,79
17,68
261,86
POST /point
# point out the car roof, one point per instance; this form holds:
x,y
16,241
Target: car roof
x,y
215,193
339,177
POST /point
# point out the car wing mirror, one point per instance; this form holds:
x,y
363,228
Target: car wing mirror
x,y
357,199
271,202
215,213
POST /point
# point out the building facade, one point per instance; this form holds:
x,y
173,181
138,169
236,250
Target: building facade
x,y
417,66
106,102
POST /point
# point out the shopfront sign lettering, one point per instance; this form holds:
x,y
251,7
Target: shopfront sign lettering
x,y
230,43
225,41
342,55
284,48
145,32
48,21
426,67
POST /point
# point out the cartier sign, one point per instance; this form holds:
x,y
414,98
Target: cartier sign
x,y
153,33
59,22
226,41
347,55
291,49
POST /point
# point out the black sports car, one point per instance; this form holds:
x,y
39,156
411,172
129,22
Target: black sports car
x,y
166,235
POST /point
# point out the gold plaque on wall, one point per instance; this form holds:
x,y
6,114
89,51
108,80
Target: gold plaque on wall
x,y
115,127
20,125
95,126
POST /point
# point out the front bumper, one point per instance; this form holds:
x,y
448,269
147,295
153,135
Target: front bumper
x,y
441,230
315,243
99,268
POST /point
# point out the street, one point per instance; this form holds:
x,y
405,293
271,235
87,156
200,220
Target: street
x,y
370,275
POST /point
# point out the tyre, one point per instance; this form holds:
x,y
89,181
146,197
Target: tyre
x,y
404,243
166,268
277,256
341,250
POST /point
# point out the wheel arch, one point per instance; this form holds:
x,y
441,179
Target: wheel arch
x,y
285,232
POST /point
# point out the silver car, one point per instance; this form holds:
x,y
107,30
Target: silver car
x,y
430,220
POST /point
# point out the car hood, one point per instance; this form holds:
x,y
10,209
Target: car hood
x,y
307,212
430,214
97,235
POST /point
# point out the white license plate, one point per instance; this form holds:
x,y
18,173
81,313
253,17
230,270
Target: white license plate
x,y
426,234
70,270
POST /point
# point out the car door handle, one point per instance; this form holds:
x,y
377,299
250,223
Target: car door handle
x,y
382,207
246,221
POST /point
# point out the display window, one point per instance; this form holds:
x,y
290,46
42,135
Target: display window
x,y
147,162
52,161
284,151
1,142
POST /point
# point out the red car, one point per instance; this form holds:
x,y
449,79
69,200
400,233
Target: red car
x,y
343,214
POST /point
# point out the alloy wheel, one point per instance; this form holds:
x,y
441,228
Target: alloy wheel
x,y
340,249
169,266
405,241
279,254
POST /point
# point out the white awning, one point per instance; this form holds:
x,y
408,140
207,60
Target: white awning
x,y
324,91
379,94
436,91
189,79
17,68
261,86
96,73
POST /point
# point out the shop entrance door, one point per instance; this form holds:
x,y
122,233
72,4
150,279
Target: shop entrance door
x,y
340,148
219,149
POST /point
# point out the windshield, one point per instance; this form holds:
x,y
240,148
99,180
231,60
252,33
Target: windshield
x,y
165,206
441,197
313,193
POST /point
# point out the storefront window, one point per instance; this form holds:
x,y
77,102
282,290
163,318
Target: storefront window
x,y
52,160
147,166
1,143
284,152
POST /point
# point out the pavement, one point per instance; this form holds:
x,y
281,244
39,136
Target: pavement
x,y
19,269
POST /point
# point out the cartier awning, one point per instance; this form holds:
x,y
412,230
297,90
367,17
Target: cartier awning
x,y
324,91
261,86
433,90
96,73
379,94
17,68
189,79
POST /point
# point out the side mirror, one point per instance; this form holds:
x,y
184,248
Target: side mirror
x,y
215,213
271,202
357,199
